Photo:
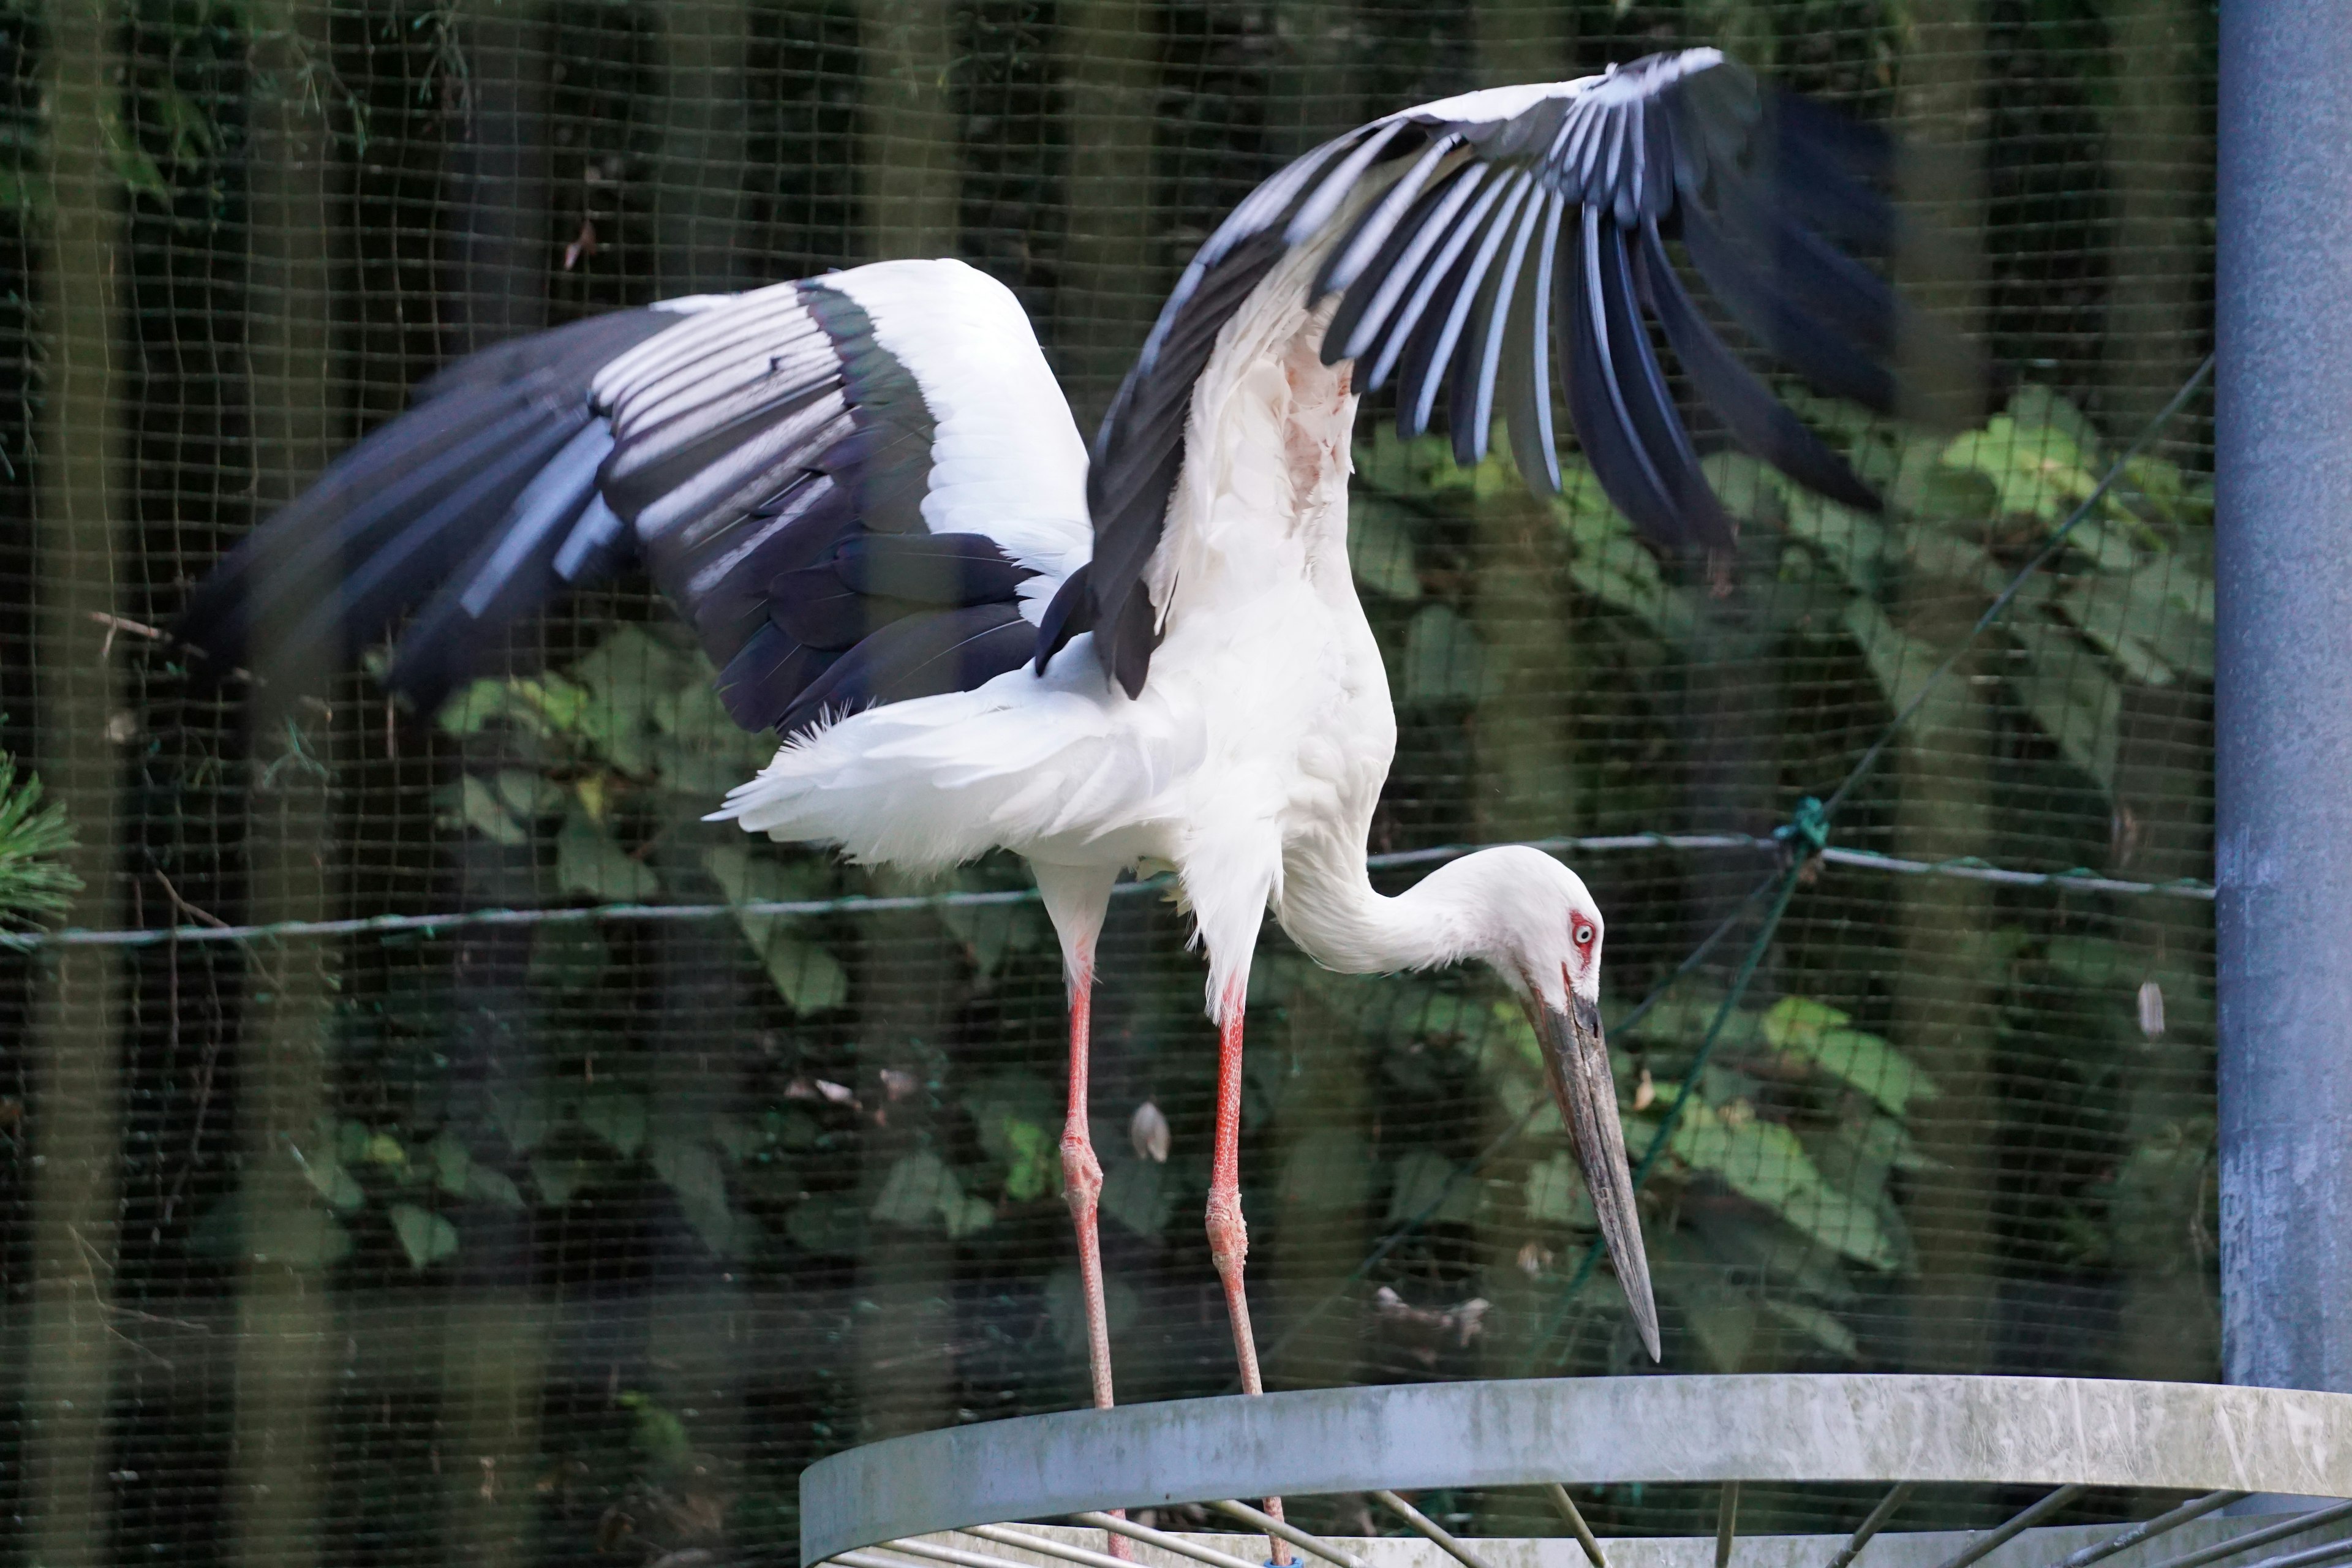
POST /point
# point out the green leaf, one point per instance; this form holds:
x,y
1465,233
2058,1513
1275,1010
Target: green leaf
x,y
1422,1175
2035,406
424,1236
739,1138
658,1433
967,1215
1004,1100
1757,1159
1555,1194
453,1164
479,806
1328,1168
1852,543
1869,1064
1379,546
1842,1222
1798,1023
478,703
616,1117
2037,471
493,1186
803,973
1810,1032
623,678
559,1180
522,1116
1817,1325
334,1183
988,931
528,795
1034,1159
2072,696
1066,1308
2093,961
546,707
2143,622
588,862
1443,658
1609,564
919,1191
1763,1161
695,1178
293,1234
1900,662
1136,1193
1720,1317
829,1224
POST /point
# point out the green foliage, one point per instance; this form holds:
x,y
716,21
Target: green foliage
x,y
35,882
1778,1197
2131,602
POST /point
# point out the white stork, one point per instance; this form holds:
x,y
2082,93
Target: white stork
x,y
868,495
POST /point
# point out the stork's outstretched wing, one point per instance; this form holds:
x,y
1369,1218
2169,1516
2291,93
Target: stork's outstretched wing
x,y
1485,244
857,488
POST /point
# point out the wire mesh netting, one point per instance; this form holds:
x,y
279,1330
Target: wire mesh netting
x,y
630,1164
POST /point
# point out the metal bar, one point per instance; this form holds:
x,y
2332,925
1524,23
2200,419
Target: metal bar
x,y
1162,1540
2264,1537
1046,1546
2310,1557
1993,1540
2282,690
1726,1523
1430,1529
963,1559
1871,1526
1584,1537
862,1559
1259,1520
2195,1508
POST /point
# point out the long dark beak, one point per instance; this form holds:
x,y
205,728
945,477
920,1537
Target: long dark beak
x,y
1578,1058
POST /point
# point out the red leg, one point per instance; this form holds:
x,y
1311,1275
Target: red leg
x,y
1082,1181
1228,1234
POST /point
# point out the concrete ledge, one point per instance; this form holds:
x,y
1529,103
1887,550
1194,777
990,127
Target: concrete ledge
x,y
2185,1438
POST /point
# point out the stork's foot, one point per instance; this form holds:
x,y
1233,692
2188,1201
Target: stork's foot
x,y
1228,1232
1082,1182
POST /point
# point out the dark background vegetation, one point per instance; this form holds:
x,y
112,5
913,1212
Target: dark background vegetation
x,y
545,1241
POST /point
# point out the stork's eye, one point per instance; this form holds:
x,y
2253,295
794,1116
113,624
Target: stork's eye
x,y
1583,934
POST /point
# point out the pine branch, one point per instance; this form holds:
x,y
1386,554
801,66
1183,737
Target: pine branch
x,y
35,883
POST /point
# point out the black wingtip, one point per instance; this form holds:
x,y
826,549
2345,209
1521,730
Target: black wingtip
x,y
1133,637
1069,611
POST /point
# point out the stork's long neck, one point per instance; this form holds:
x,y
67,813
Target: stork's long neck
x,y
1329,908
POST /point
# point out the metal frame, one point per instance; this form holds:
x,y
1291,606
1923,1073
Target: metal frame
x,y
2282,690
2046,1431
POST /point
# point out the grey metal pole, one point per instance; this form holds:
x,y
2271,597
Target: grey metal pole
x,y
2283,691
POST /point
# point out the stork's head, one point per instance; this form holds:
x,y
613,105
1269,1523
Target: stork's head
x,y
1534,921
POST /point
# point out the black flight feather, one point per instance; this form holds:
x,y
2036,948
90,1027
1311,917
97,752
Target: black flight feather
x,y
1758,421
919,656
